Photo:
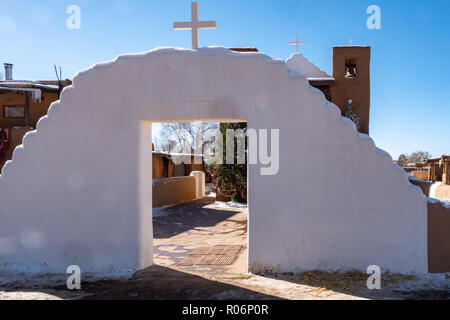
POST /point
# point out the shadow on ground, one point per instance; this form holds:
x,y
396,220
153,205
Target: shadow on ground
x,y
354,283
189,216
162,283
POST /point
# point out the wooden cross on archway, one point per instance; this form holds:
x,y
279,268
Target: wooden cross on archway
x,y
194,25
297,43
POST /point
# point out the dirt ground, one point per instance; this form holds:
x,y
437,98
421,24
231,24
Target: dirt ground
x,y
181,229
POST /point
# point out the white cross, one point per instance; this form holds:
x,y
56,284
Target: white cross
x,y
297,43
195,25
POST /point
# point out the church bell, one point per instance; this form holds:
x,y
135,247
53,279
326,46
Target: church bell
x,y
351,72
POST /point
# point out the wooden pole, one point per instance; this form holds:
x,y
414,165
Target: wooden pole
x,y
27,111
446,174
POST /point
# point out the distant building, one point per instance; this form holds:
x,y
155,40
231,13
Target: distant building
x,y
164,166
22,104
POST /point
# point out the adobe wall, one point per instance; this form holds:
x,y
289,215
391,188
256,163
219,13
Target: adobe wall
x,y
421,174
171,191
160,165
439,237
443,192
431,189
446,178
425,186
163,167
87,206
194,167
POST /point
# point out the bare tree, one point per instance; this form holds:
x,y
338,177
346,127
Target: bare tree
x,y
194,137
419,156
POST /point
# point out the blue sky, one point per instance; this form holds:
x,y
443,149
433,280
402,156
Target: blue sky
x,y
410,54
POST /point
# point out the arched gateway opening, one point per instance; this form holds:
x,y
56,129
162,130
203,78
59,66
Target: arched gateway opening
x,y
336,201
200,204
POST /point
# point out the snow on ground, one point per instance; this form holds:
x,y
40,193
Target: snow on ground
x,y
445,202
164,211
219,204
159,212
433,189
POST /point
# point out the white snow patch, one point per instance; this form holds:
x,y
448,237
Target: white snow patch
x,y
220,204
433,201
35,93
433,189
159,212
445,202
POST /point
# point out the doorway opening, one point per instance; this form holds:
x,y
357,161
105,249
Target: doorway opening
x,y
199,192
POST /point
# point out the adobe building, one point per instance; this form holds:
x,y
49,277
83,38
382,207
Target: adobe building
x,y
22,104
163,166
350,80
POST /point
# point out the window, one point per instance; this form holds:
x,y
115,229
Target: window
x,y
14,111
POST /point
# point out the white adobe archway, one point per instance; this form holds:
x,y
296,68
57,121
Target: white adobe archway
x,y
79,189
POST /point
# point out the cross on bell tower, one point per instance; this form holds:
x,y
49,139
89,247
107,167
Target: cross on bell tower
x,y
195,25
297,43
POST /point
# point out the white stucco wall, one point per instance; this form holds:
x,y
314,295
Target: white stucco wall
x,y
79,189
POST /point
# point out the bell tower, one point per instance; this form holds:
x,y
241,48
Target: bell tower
x,y
351,71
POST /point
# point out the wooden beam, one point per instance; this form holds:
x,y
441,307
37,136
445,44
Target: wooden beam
x,y
27,110
248,49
